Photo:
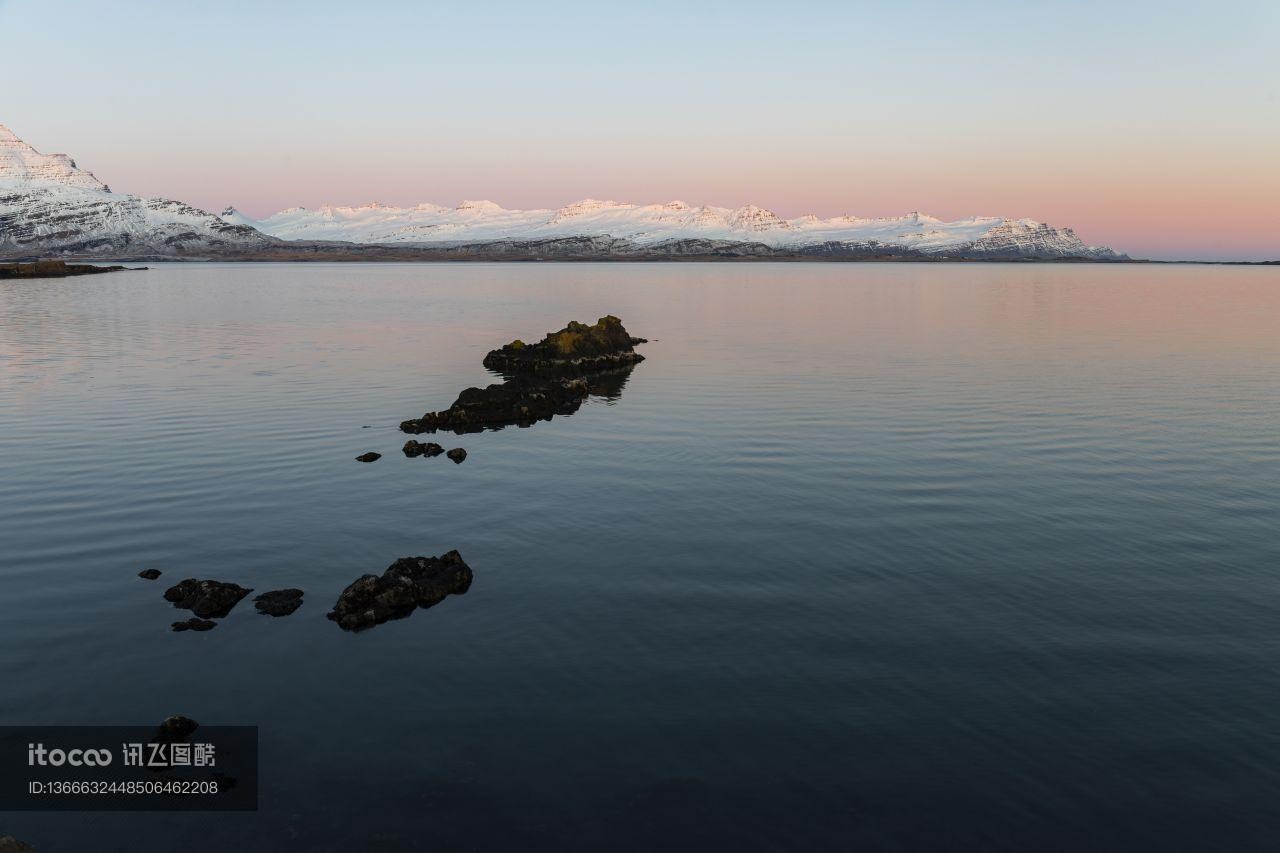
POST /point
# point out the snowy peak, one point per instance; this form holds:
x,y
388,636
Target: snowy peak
x,y
23,166
586,207
752,218
49,206
479,207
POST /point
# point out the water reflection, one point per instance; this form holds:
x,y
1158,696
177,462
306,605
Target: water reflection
x,y
608,386
520,401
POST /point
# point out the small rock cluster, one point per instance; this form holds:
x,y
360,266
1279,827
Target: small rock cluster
x,y
406,585
551,377
416,448
210,600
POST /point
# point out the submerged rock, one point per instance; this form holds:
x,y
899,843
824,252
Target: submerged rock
x,y
518,401
176,727
278,602
9,844
574,350
149,574
416,448
194,624
406,585
457,455
206,599
369,457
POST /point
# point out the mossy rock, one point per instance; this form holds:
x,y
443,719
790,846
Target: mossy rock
x,y
576,349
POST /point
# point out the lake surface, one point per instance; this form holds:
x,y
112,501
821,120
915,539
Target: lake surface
x,y
877,557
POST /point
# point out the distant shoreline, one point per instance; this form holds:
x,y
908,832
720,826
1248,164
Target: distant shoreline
x,y
409,257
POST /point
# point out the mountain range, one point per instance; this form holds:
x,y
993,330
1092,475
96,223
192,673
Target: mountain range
x,y
50,207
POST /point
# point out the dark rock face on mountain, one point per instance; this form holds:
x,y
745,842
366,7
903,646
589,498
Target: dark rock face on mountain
x,y
206,599
516,401
406,585
278,602
575,350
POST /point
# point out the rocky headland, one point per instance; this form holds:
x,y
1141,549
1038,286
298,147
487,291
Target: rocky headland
x,y
55,269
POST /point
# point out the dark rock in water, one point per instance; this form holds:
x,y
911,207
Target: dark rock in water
x,y
543,380
457,454
176,727
416,448
54,269
194,624
206,599
369,457
149,574
9,844
278,602
406,585
518,401
573,351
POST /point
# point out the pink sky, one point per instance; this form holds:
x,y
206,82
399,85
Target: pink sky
x,y
1147,127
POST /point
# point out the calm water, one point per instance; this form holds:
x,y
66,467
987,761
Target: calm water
x,y
885,557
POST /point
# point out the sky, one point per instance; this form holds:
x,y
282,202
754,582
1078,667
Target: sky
x,y
1152,127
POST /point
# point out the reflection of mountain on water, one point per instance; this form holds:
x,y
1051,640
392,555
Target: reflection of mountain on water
x,y
520,401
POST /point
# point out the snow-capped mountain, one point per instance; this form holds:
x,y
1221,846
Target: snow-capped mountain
x,y
49,206
654,226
